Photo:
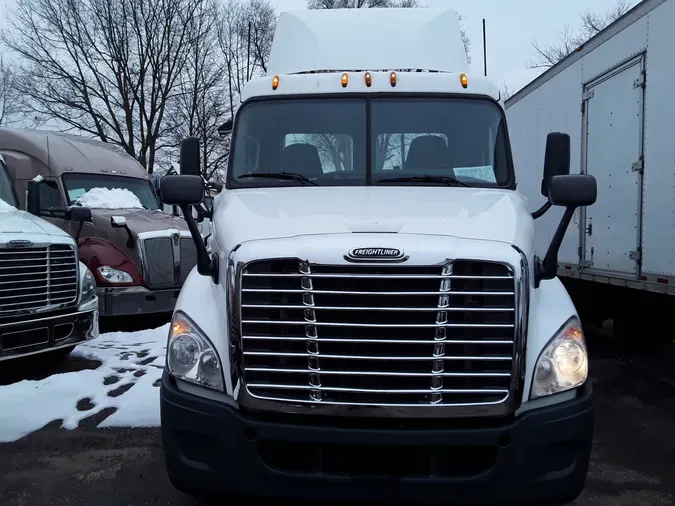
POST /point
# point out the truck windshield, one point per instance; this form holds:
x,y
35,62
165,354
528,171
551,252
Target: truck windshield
x,y
6,190
77,185
325,142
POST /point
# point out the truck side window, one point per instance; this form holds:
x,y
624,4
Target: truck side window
x,y
336,151
50,196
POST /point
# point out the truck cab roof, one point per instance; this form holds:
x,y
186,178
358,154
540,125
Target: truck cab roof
x,y
312,50
307,41
65,152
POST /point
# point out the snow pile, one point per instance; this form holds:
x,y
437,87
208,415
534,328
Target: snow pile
x,y
5,207
109,198
127,380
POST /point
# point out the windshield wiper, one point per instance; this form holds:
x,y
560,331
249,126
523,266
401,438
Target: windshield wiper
x,y
288,176
446,180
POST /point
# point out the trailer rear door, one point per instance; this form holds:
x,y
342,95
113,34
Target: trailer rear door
x,y
612,151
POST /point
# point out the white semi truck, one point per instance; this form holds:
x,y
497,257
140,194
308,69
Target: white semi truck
x,y
370,319
614,97
48,301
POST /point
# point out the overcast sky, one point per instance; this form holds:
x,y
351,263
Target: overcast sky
x,y
511,27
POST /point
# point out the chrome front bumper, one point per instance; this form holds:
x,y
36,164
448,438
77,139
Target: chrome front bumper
x,y
30,335
133,300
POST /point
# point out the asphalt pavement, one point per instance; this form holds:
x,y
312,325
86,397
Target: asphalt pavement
x,y
633,457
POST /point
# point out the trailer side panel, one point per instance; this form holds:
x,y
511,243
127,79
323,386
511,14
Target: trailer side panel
x,y
658,217
640,249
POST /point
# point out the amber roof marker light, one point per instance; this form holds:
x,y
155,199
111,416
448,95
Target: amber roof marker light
x,y
345,80
275,82
464,79
392,79
369,79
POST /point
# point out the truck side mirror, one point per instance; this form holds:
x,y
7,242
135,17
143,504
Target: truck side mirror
x,y
182,190
78,213
189,160
570,191
33,197
556,163
556,158
186,191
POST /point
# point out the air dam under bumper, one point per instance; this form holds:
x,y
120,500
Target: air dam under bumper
x,y
39,333
542,456
121,301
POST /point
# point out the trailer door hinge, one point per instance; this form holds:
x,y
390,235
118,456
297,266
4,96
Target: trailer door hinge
x,y
638,166
588,94
635,255
640,81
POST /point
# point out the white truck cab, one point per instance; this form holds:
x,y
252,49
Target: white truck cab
x,y
48,301
370,320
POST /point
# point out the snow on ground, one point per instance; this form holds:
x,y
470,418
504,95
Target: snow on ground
x,y
127,380
109,198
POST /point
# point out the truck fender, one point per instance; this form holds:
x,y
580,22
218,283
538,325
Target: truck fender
x,y
550,307
203,302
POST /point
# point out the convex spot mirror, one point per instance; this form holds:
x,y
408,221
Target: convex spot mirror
x,y
572,190
556,159
118,221
182,190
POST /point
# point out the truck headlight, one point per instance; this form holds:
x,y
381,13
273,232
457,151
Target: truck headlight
x,y
190,356
88,285
563,365
113,276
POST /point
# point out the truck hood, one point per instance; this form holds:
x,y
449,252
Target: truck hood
x,y
471,213
20,222
138,220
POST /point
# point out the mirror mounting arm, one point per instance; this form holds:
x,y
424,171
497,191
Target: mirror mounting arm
x,y
130,238
541,211
548,267
79,231
207,265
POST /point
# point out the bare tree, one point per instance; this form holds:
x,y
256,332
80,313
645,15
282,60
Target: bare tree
x,y
9,100
245,37
569,40
504,90
199,103
104,68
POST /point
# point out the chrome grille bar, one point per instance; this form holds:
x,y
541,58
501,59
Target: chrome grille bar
x,y
37,278
377,335
344,292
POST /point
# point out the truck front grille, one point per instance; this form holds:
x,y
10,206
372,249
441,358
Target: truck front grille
x,y
378,335
162,258
34,278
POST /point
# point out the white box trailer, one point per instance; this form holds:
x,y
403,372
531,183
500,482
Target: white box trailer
x,y
614,97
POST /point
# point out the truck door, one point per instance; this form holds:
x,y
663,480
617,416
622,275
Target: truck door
x,y
613,131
